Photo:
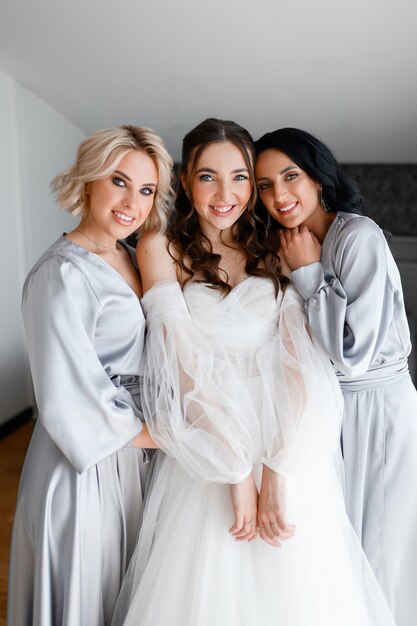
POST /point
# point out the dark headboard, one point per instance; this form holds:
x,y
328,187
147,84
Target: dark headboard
x,y
404,250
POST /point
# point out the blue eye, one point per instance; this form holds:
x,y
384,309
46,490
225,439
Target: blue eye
x,y
241,177
146,191
206,177
264,186
119,182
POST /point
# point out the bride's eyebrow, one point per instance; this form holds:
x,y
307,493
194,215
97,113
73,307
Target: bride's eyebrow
x,y
206,169
211,171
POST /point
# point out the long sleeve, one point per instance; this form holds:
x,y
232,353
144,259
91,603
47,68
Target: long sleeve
x,y
350,312
196,408
302,404
86,415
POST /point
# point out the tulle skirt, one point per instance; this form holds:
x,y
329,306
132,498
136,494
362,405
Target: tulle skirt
x,y
188,570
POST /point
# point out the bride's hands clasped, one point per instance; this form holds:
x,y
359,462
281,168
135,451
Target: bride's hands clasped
x,y
271,519
245,505
264,514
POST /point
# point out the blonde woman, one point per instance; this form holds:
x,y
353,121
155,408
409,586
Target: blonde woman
x,y
79,502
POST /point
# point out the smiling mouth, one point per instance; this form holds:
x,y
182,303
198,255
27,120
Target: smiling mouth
x,y
125,219
288,207
222,210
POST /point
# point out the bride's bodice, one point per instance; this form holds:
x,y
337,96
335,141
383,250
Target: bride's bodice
x,y
230,380
239,323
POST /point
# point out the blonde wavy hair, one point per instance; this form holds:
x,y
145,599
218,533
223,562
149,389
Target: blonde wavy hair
x,y
99,155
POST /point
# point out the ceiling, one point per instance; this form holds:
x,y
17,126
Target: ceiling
x,y
345,71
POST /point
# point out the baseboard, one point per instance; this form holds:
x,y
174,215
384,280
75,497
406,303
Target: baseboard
x,y
16,422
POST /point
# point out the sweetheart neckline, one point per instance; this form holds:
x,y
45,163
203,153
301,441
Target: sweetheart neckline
x,y
233,290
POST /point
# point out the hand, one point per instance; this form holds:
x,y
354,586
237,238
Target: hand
x,y
245,503
299,246
285,268
272,525
144,439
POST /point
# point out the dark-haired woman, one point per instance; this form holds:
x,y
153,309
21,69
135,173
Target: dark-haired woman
x,y
342,267
239,397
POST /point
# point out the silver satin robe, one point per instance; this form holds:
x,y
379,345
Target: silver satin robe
x,y
355,308
80,496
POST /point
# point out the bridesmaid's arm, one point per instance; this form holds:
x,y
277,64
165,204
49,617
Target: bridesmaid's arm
x,y
79,406
350,313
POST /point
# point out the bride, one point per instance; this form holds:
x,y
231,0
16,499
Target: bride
x,y
247,409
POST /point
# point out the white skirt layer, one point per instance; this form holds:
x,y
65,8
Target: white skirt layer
x,y
188,571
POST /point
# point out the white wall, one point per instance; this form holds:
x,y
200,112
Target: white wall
x,y
36,143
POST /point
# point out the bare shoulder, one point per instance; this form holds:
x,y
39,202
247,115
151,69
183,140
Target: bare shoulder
x,y
152,240
154,260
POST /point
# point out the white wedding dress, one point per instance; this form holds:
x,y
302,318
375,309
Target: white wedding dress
x,y
230,383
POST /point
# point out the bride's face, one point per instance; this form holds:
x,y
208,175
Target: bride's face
x,y
221,186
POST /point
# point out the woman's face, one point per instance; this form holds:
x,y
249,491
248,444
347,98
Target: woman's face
x,y
121,202
290,196
221,186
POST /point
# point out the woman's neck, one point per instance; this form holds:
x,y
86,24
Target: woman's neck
x,y
320,222
219,238
93,238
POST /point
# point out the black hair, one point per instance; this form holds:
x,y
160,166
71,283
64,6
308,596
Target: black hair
x,y
339,192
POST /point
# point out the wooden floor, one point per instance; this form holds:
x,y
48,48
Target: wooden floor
x,y
12,453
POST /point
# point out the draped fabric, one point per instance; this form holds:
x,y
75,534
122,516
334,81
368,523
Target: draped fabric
x,y
353,298
72,303
229,383
302,403
355,308
197,408
197,373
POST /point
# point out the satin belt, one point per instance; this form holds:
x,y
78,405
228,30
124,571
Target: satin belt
x,y
132,385
375,378
129,382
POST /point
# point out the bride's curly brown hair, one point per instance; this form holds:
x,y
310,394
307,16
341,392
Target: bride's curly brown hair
x,y
189,246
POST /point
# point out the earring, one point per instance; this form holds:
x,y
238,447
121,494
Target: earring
x,y
323,204
268,222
